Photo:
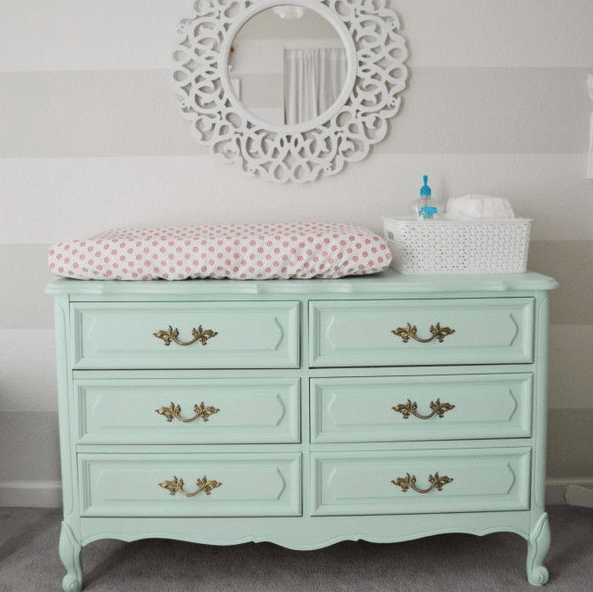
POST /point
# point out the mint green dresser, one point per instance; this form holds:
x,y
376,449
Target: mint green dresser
x,y
303,412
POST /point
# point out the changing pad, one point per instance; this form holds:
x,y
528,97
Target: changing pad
x,y
243,251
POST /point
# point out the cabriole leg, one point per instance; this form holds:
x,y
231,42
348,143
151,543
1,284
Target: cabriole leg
x,y
70,550
538,545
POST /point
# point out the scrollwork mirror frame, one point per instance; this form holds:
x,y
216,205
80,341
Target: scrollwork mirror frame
x,y
358,119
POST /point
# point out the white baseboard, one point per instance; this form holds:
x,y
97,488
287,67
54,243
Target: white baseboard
x,y
30,494
555,488
48,494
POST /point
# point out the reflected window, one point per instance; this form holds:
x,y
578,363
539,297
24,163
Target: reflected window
x,y
313,80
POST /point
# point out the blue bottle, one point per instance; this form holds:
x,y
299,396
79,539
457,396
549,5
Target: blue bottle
x,y
426,207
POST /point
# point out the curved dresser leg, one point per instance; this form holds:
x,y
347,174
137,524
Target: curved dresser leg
x,y
538,545
70,550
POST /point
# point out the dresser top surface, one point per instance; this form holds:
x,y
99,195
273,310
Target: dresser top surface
x,y
387,283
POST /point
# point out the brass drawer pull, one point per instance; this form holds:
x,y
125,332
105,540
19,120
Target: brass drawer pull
x,y
199,334
174,412
410,408
409,482
176,486
409,331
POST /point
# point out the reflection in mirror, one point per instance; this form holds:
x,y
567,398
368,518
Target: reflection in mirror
x,y
290,63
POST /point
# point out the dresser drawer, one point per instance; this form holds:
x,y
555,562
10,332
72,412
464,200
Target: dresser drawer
x,y
421,332
249,484
188,411
392,408
186,335
471,480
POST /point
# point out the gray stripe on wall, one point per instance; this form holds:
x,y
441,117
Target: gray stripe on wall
x,y
570,442
492,110
91,113
25,306
569,263
134,112
570,375
30,446
34,437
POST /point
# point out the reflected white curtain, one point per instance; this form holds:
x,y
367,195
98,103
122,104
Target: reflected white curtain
x,y
590,163
313,79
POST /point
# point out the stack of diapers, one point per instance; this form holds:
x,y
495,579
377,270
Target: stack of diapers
x,y
475,206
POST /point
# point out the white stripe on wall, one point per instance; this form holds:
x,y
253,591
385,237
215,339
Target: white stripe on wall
x,y
28,374
53,199
28,382
23,303
88,35
135,34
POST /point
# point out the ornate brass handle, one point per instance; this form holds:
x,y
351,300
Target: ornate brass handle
x,y
409,482
199,334
410,408
409,331
174,412
204,486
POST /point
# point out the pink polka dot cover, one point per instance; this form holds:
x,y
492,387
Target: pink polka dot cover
x,y
238,251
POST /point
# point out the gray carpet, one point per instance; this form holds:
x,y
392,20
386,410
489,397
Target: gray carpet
x,y
29,562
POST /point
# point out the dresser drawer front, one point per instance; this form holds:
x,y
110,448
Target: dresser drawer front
x,y
361,333
188,411
257,484
363,483
397,408
210,335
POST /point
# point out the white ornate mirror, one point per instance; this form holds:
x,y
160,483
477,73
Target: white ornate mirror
x,y
282,125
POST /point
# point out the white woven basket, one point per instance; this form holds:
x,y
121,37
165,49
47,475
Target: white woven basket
x,y
455,246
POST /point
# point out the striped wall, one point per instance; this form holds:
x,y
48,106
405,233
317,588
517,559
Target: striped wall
x,y
90,138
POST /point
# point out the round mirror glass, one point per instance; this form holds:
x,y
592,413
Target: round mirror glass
x,y
287,65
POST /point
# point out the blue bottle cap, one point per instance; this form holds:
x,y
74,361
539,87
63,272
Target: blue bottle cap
x,y
425,189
